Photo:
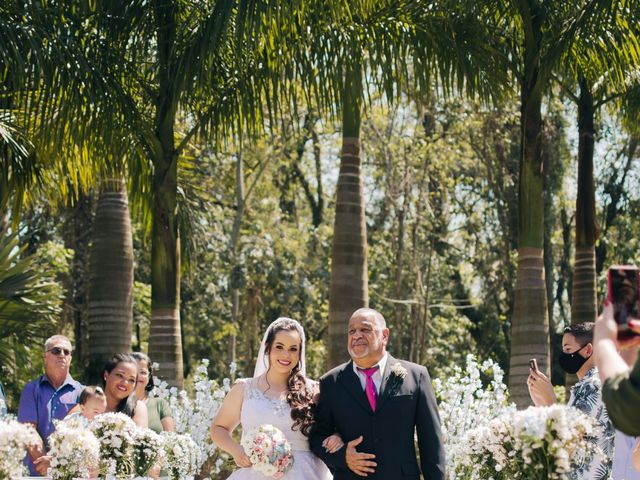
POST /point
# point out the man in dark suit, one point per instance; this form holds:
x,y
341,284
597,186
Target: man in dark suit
x,y
376,403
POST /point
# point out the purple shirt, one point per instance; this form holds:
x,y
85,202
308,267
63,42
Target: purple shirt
x,y
40,404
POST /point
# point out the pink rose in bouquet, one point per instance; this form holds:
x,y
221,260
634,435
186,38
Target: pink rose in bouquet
x,y
269,451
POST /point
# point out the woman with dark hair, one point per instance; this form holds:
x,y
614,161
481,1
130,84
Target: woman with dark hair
x,y
158,412
278,394
120,376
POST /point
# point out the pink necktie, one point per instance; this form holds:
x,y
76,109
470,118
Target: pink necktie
x,y
370,388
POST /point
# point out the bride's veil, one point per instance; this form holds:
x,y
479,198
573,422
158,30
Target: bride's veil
x,y
262,362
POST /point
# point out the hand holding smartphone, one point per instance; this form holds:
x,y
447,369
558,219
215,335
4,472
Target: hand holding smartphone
x,y
623,291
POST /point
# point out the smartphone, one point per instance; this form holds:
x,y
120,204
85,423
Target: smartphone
x,y
533,364
623,292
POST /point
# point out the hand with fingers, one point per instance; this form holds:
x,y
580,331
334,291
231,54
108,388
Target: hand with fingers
x,y
606,329
635,456
333,443
241,458
540,388
359,463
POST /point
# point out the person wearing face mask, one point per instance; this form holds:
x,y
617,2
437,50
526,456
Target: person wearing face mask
x,y
577,358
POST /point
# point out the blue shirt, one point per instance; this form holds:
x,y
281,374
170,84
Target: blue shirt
x,y
41,404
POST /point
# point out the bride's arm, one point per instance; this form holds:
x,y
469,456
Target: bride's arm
x,y
226,421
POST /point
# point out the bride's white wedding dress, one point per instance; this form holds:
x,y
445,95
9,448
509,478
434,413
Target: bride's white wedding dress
x,y
258,409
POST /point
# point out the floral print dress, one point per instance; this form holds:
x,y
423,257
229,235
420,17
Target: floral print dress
x,y
586,396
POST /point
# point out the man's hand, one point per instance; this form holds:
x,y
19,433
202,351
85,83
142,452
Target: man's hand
x,y
540,389
359,463
42,464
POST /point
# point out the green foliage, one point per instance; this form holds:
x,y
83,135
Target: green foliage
x,y
30,301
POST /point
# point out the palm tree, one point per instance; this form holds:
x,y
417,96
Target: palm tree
x,y
213,60
545,31
599,81
349,280
110,289
395,47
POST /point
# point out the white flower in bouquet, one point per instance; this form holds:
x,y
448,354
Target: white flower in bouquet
x,y
15,437
183,456
74,451
116,434
148,451
193,415
269,451
533,444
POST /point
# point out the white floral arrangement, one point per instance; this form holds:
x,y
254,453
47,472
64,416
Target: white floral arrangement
x,y
465,401
183,455
148,451
74,451
193,415
533,444
116,434
269,451
15,437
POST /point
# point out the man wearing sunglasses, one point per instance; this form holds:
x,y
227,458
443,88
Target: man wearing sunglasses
x,y
48,398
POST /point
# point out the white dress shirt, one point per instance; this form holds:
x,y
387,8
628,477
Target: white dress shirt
x,y
376,377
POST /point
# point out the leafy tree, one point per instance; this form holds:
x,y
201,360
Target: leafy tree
x,y
29,305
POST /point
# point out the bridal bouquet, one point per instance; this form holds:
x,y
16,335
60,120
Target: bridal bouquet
x,y
75,452
269,451
183,455
15,437
534,444
116,434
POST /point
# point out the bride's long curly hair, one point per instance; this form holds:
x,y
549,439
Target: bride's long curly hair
x,y
300,396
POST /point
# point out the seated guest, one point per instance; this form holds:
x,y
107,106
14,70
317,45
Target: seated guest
x,y
92,402
120,378
577,358
160,418
621,384
49,397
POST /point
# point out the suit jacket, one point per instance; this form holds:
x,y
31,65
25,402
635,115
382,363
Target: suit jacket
x,y
405,406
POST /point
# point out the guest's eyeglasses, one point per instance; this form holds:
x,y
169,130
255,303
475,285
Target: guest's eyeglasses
x,y
57,351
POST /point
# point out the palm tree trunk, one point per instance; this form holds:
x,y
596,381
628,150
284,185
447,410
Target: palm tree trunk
x,y
584,305
77,237
530,322
165,337
235,267
348,290
110,289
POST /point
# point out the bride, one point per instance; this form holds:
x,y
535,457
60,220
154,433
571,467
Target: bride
x,y
278,394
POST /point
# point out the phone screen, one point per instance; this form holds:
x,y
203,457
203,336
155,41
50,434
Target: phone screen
x,y
623,292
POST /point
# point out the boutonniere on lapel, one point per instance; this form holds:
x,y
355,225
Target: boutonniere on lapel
x,y
398,372
396,375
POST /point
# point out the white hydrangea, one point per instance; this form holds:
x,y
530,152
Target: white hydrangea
x,y
116,433
15,437
465,403
183,455
193,416
148,451
536,443
74,451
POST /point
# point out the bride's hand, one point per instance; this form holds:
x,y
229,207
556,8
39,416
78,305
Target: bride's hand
x,y
241,458
333,443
